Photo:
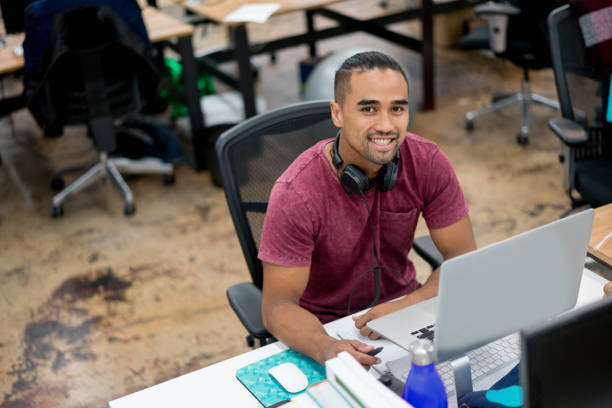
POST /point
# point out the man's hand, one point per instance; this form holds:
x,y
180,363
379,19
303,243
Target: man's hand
x,y
608,289
375,313
355,348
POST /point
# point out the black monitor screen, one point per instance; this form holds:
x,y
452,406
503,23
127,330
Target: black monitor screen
x,y
12,14
568,362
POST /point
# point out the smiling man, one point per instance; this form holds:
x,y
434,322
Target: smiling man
x,y
341,219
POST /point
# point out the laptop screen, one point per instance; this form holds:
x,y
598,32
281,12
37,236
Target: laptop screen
x,y
567,362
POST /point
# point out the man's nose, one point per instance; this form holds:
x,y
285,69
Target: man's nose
x,y
384,124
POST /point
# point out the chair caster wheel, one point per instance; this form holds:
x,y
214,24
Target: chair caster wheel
x,y
129,208
522,139
168,179
57,211
469,125
57,183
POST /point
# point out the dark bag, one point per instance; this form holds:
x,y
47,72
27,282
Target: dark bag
x,y
143,136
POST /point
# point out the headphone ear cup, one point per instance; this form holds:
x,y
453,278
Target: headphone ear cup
x,y
388,177
354,180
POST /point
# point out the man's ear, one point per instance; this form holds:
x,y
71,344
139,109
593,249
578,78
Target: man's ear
x,y
336,113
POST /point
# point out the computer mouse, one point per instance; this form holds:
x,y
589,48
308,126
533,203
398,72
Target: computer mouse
x,y
290,377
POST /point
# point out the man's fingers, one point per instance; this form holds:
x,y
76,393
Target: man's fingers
x,y
608,289
361,347
365,359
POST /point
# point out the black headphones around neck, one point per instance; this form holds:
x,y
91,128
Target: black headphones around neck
x,y
355,181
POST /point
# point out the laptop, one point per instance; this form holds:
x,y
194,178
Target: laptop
x,y
566,361
497,290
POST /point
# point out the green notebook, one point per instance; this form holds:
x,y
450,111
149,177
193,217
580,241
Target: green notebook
x,y
256,379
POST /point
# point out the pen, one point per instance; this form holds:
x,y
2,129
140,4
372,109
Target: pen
x,y
375,351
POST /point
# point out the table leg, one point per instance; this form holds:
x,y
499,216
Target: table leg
x,y
428,55
243,58
312,45
196,117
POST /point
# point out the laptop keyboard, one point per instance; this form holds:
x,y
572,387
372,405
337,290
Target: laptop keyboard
x,y
483,360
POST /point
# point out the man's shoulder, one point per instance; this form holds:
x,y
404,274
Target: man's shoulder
x,y
419,148
416,141
306,167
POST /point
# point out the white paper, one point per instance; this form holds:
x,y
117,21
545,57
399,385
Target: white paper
x,y
252,13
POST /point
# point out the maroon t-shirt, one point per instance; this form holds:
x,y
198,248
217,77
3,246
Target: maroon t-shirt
x,y
312,220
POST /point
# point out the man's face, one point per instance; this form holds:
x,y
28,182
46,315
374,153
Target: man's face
x,y
373,117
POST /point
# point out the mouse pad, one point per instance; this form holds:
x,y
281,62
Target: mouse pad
x,y
256,379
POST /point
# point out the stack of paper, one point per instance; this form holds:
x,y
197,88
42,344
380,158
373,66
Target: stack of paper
x,y
348,385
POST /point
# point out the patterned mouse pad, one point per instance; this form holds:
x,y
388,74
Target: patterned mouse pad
x,y
256,379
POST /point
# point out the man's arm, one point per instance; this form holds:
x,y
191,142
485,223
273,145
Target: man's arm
x,y
296,326
451,241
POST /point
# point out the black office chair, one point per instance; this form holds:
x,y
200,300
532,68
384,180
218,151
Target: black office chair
x,y
586,136
252,155
95,71
515,30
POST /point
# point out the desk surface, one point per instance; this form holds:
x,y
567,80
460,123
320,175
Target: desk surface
x,y
9,62
602,227
217,10
216,385
160,27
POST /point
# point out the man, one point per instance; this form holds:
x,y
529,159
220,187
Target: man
x,y
317,244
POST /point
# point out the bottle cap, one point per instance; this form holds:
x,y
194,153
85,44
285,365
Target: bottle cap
x,y
422,352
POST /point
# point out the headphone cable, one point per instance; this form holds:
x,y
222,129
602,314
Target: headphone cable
x,y
376,268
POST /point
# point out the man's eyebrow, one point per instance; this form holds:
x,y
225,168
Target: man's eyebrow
x,y
368,102
400,102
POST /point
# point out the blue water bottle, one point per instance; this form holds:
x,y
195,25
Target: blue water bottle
x,y
424,387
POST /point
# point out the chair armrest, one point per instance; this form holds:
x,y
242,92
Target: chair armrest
x,y
570,132
425,247
492,8
245,299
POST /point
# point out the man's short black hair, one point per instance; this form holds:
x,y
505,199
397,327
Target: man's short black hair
x,y
360,62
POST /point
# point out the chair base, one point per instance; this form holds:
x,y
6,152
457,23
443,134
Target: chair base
x,y
525,97
112,168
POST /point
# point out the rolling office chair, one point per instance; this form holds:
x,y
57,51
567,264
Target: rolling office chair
x,y
516,31
586,137
252,155
96,71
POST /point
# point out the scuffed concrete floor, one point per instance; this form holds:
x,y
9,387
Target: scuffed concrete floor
x,y
96,305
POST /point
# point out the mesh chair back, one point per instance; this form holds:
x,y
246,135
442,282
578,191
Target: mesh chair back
x,y
581,89
253,154
94,67
578,84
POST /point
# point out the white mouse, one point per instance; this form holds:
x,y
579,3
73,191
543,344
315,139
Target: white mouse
x,y
290,377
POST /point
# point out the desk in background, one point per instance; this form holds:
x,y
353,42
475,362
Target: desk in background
x,y
602,228
243,50
216,385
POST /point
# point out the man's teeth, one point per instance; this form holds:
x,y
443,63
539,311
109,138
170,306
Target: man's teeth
x,y
382,142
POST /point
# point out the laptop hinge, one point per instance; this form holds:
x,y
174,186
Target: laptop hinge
x,y
463,376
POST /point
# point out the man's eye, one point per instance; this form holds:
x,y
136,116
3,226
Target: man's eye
x,y
398,109
367,109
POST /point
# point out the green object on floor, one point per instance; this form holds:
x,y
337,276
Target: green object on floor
x,y
174,73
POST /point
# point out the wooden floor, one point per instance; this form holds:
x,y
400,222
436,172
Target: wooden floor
x,y
96,305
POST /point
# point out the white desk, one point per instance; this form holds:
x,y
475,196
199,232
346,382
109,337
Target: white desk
x,y
216,385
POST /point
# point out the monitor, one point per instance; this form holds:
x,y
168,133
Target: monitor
x,y
13,12
567,362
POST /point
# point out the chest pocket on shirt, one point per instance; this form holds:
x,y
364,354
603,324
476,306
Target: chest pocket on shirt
x,y
397,230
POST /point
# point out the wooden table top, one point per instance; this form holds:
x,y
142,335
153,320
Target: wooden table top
x,y
160,27
9,62
163,27
602,228
217,9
